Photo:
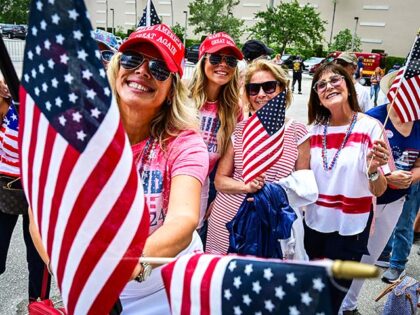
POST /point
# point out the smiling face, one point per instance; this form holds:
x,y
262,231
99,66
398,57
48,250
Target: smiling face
x,y
138,90
219,74
259,100
333,96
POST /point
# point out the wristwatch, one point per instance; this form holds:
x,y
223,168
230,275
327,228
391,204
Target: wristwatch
x,y
145,273
373,176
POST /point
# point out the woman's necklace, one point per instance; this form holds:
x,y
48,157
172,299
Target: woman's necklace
x,y
146,155
324,144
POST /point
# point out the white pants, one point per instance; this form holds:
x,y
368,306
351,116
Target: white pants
x,y
386,218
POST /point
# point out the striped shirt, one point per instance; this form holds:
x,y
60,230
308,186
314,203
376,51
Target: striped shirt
x,y
344,200
9,152
227,205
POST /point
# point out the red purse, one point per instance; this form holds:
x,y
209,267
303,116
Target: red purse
x,y
45,307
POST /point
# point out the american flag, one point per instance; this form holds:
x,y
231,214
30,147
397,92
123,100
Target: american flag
x,y
150,16
210,284
406,87
76,161
263,137
9,153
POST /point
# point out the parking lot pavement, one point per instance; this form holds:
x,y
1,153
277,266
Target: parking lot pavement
x,y
13,283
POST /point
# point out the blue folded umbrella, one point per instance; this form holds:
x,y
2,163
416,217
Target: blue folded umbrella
x,y
258,225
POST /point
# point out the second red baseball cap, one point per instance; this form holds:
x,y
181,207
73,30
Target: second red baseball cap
x,y
215,42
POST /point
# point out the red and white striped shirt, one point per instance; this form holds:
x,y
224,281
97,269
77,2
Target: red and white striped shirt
x,y
226,205
344,200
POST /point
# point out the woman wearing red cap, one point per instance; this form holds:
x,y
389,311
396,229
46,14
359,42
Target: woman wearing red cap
x,y
170,154
214,89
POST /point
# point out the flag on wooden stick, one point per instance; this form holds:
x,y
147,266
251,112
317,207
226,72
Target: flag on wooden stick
x,y
150,16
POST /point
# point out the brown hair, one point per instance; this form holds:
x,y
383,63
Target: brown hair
x,y
319,114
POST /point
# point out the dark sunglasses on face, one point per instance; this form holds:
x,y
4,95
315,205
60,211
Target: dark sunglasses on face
x,y
268,87
216,59
107,55
131,60
321,85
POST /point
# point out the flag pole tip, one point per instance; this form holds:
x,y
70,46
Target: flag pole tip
x,y
351,269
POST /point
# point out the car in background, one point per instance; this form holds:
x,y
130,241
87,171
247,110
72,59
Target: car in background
x,y
13,31
287,61
191,53
312,62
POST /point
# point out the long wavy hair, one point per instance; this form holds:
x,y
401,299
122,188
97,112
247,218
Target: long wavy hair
x,y
319,114
278,73
229,109
175,116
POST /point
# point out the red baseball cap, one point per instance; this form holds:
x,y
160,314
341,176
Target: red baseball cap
x,y
166,42
215,42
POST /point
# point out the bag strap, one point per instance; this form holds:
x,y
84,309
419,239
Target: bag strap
x,y
44,287
387,290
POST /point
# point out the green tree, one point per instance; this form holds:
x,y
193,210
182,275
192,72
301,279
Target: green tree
x,y
212,16
343,41
289,24
14,11
179,31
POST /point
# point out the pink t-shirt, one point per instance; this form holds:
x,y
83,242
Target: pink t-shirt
x,y
184,154
209,126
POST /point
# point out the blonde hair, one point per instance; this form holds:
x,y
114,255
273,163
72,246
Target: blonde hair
x,y
228,110
177,113
278,72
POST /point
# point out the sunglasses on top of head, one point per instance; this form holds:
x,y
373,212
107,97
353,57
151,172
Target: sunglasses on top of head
x,y
131,60
216,59
268,87
321,85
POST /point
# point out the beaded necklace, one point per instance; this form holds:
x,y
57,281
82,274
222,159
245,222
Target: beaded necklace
x,y
146,155
324,144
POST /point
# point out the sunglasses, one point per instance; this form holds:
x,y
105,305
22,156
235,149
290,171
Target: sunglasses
x,y
335,81
131,60
107,55
216,59
268,87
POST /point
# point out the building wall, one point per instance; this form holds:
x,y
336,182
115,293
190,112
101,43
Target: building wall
x,y
388,25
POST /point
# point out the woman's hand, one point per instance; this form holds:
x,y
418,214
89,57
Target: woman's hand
x,y
399,179
255,185
4,90
378,156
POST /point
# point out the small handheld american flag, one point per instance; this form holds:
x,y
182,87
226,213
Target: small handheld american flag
x,y
210,284
263,137
405,90
76,161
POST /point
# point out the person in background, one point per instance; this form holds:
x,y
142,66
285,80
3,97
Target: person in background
x,y
39,278
298,68
375,80
108,45
346,148
359,69
277,59
214,88
349,62
394,205
254,49
264,80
